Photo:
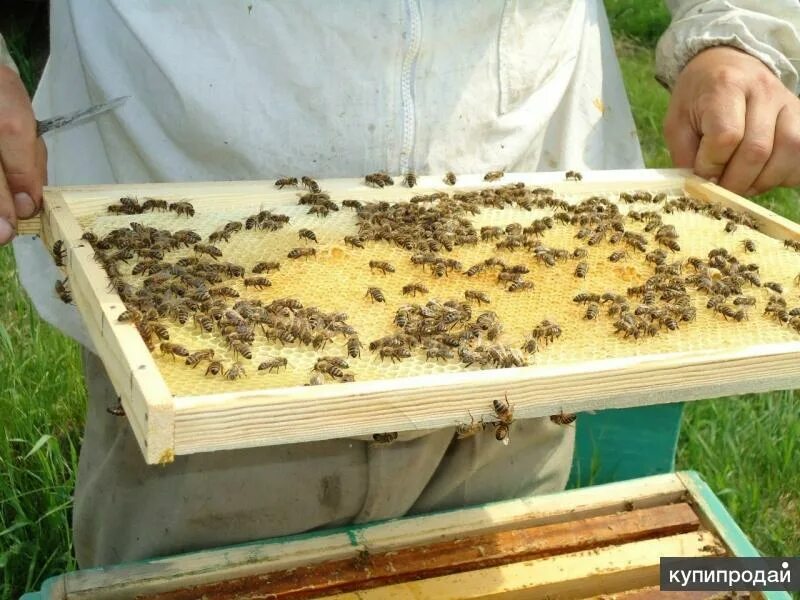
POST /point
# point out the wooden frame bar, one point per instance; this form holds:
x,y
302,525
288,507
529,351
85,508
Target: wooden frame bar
x,y
602,558
166,426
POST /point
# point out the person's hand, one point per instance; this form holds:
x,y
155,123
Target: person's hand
x,y
733,121
23,157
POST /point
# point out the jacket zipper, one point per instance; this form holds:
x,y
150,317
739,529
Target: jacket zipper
x,y
407,77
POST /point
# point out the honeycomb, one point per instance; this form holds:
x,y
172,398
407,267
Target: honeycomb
x,y
336,280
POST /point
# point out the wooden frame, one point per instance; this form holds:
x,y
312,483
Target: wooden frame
x,y
166,426
618,563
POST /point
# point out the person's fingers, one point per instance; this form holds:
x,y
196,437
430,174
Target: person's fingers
x,y
755,148
721,122
8,214
18,144
783,167
681,138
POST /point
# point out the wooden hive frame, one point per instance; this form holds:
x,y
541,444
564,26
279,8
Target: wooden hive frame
x,y
166,426
580,543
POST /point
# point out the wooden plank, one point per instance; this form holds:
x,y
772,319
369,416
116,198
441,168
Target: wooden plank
x,y
164,574
32,226
654,593
143,392
288,415
770,223
718,519
468,553
601,571
263,417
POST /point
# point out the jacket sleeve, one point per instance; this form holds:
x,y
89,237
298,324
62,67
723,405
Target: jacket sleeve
x,y
766,29
5,56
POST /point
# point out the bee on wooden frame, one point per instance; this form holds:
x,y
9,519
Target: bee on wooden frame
x,y
449,178
63,292
182,208
284,181
59,253
493,175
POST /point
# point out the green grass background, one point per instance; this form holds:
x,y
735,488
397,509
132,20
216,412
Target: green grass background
x,y
747,448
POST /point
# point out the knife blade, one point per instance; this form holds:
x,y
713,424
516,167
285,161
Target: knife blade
x,y
78,117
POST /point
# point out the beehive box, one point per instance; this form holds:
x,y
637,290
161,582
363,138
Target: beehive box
x,y
174,409
598,542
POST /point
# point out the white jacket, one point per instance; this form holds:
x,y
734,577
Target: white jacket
x,y
226,90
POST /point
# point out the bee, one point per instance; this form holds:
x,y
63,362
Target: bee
x,y
310,184
354,241
477,296
160,330
581,269
671,244
266,267
257,282
59,253
563,418
117,410
219,236
307,234
383,266
375,294
173,350
439,268
413,288
744,301
235,372
475,269
284,181
573,176
89,237
449,178
597,237
296,253
319,210
354,204
273,364
519,285
501,433
493,175
410,179
396,353
384,439
215,367
208,249
63,292
354,346
775,287
182,208
503,410
490,233
195,358
547,331
591,311
439,352
749,245
153,204
378,180
618,256
730,227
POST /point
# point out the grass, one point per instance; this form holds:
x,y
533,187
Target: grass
x,y
747,448
42,403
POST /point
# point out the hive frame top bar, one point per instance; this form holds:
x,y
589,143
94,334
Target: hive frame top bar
x,y
165,425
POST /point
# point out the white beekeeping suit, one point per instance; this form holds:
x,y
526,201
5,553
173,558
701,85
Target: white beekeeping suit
x,y
249,89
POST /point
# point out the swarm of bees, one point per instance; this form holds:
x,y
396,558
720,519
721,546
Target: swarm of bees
x,y
207,292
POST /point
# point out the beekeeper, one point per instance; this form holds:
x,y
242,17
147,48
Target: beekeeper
x,y
255,90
